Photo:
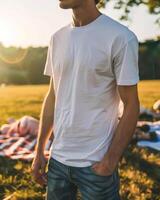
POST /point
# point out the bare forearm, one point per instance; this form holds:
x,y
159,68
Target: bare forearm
x,y
45,124
123,135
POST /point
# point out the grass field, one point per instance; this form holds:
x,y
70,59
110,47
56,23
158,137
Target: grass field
x,y
139,168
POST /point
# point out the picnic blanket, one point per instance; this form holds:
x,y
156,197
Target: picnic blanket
x,y
22,148
151,144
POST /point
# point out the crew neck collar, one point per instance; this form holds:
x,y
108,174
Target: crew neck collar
x,y
87,25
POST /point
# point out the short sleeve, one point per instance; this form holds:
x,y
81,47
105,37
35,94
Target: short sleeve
x,y
125,63
48,65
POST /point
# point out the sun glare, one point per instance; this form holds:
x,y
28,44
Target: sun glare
x,y
8,35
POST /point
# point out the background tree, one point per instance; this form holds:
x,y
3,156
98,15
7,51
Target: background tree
x,y
153,7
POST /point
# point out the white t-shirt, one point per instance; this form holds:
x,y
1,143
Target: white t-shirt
x,y
87,63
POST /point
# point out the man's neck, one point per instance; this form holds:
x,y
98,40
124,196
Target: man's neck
x,y
83,17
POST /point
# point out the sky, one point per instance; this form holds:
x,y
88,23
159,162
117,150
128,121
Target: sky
x,y
31,22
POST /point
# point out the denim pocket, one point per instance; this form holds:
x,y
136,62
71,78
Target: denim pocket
x,y
51,168
94,172
50,163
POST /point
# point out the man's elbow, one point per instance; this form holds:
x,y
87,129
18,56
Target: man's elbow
x,y
137,109
133,107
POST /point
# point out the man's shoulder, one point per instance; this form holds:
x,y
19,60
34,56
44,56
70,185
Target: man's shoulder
x,y
59,31
118,30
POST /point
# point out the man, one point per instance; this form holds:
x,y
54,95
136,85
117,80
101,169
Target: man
x,y
93,63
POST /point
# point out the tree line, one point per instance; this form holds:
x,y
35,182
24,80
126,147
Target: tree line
x,y
26,66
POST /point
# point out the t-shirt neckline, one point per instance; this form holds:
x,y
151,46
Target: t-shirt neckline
x,y
87,25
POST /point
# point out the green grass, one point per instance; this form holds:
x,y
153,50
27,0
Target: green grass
x,y
139,168
149,92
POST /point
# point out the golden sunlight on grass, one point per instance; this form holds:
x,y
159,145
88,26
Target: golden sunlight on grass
x,y
139,169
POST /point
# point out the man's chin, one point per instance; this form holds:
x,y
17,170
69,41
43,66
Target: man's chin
x,y
64,6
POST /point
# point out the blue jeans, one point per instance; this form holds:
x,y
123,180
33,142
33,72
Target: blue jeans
x,y
63,182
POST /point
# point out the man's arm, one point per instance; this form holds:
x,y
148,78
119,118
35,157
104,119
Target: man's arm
x,y
46,119
124,130
45,126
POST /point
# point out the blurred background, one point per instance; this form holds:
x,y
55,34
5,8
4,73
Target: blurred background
x,y
25,30
26,27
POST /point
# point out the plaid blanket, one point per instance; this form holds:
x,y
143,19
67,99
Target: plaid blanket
x,y
22,148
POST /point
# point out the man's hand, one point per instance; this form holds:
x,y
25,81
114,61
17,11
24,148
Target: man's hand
x,y
102,168
38,169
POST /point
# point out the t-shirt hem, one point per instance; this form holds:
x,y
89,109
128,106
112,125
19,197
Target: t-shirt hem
x,y
128,82
47,74
71,164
